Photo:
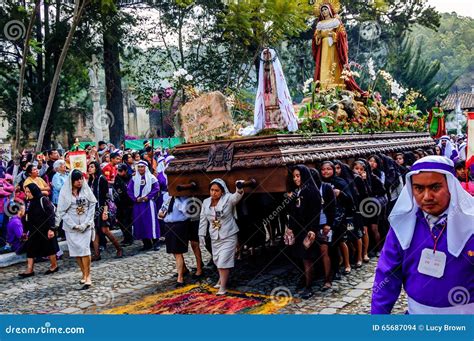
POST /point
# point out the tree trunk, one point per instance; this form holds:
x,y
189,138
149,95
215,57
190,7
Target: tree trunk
x,y
78,10
51,59
113,117
26,49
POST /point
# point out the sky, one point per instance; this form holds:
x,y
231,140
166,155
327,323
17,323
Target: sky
x,y
461,7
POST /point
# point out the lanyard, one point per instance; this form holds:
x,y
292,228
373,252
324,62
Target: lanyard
x,y
439,236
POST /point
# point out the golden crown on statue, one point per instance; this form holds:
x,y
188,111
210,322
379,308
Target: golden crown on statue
x,y
335,4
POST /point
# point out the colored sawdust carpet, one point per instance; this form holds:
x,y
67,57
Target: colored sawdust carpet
x,y
202,299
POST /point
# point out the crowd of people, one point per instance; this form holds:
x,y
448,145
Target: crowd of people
x,y
44,200
334,217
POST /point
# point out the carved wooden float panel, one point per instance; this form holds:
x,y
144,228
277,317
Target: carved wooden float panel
x,y
266,158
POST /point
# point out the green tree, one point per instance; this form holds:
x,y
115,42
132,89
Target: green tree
x,y
255,24
389,20
416,72
49,35
79,8
452,45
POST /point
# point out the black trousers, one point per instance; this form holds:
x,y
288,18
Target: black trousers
x,y
125,222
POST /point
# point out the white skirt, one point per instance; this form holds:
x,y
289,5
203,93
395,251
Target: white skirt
x,y
79,243
223,252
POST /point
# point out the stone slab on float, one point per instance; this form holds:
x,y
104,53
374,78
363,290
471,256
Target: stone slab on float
x,y
206,118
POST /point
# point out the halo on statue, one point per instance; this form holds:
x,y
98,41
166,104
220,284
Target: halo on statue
x,y
335,4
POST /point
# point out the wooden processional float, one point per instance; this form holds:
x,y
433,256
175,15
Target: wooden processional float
x,y
263,161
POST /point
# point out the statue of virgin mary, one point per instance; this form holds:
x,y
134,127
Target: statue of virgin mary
x,y
331,49
273,104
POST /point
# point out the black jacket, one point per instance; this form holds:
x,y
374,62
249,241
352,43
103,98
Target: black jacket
x,y
100,188
121,197
304,209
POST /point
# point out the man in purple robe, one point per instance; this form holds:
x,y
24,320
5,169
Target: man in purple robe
x,y
142,189
430,246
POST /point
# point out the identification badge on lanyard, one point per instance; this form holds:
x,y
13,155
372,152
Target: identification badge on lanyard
x,y
432,263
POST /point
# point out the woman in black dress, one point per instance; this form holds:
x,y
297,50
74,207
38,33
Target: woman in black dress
x,y
326,224
373,206
304,210
100,187
344,210
355,228
40,225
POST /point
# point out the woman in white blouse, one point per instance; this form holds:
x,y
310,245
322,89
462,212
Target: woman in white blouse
x,y
76,208
218,216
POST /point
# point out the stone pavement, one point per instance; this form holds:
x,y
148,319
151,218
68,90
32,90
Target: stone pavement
x,y
118,282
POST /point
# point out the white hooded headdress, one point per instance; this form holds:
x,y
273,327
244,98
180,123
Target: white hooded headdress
x,y
449,149
149,178
460,220
225,196
66,197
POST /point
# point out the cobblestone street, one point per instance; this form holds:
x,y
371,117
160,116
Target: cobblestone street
x,y
117,282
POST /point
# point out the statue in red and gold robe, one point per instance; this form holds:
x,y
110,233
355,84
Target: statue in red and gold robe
x,y
331,49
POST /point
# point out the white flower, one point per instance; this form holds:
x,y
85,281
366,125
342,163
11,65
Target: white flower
x,y
397,89
179,73
307,85
371,67
188,78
